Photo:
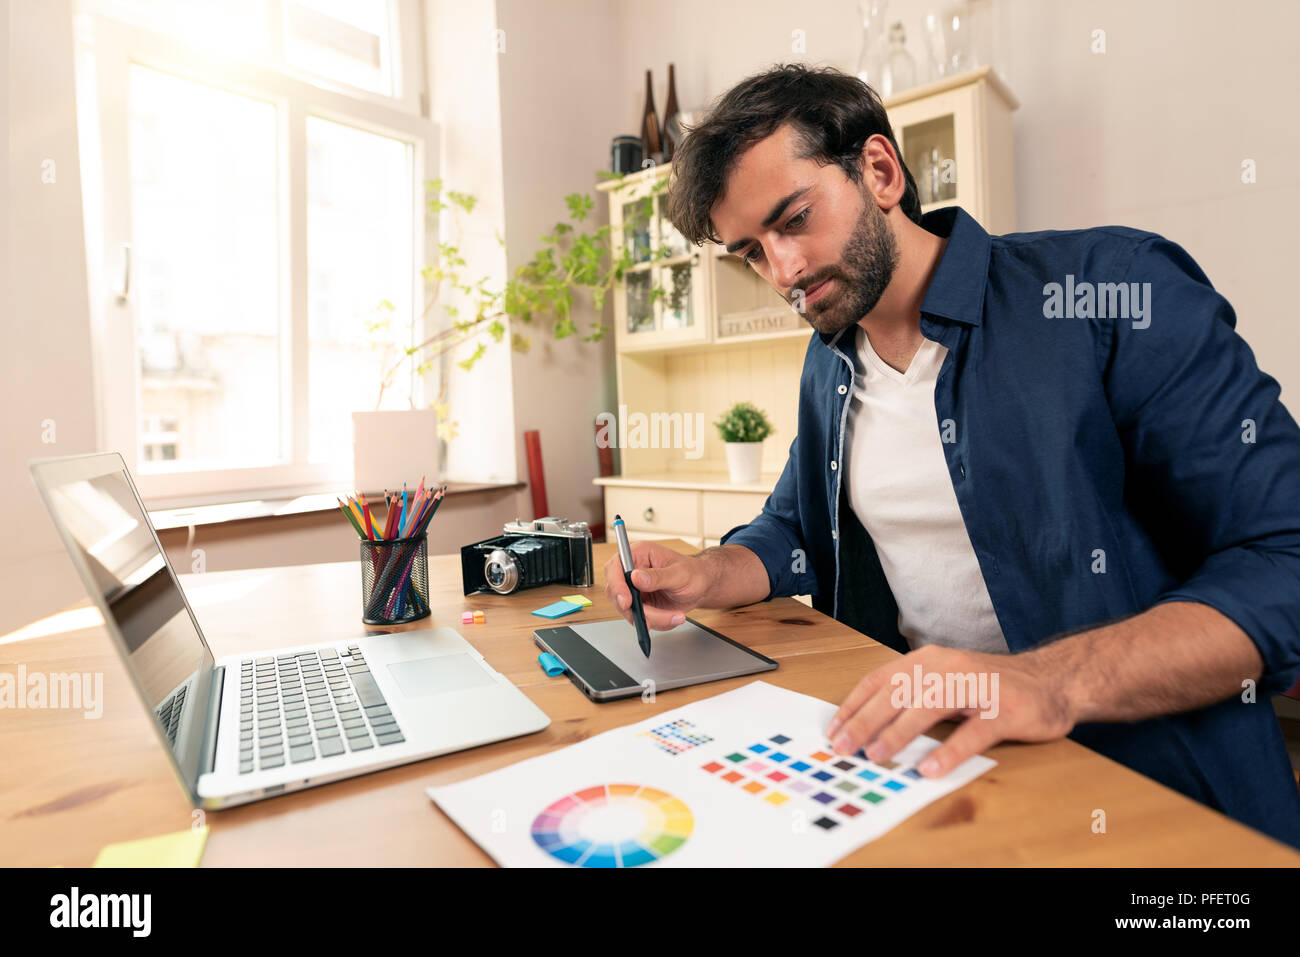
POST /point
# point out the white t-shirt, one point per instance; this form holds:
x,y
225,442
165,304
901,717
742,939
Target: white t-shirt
x,y
900,489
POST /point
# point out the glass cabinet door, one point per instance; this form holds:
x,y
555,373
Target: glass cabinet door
x,y
663,290
669,237
636,230
640,307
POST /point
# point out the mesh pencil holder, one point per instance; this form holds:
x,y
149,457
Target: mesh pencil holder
x,y
395,580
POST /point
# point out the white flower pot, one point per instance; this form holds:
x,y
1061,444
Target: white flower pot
x,y
743,461
394,446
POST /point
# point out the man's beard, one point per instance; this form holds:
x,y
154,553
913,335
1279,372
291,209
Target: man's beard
x,y
866,267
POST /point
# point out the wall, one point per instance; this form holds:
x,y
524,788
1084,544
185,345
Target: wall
x,y
1153,132
465,102
46,364
558,114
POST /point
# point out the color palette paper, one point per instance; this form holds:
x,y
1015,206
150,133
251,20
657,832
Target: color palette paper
x,y
576,599
745,778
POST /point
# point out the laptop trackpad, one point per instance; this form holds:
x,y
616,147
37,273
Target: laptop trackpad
x,y
440,675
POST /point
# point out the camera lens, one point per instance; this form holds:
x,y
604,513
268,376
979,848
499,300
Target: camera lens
x,y
501,571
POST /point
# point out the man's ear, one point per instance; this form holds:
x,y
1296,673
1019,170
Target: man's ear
x,y
882,172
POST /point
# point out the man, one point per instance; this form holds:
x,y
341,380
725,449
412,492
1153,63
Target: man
x,y
1097,501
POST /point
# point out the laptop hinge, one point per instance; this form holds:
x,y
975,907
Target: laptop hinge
x,y
208,758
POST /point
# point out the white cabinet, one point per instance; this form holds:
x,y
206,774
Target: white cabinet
x,y
663,507
955,136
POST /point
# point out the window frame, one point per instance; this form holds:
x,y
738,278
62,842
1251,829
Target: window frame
x,y
109,48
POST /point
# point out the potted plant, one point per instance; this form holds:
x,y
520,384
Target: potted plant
x,y
572,261
744,427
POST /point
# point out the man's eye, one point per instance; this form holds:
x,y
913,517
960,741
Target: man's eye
x,y
749,255
797,221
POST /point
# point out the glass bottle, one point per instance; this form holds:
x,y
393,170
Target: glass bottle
x,y
900,68
871,59
672,130
651,145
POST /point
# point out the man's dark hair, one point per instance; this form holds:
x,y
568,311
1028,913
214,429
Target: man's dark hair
x,y
832,113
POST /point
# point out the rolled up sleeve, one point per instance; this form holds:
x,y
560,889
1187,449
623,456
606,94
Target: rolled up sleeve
x,y
1213,456
775,536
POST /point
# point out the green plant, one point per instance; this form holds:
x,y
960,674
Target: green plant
x,y
572,262
744,423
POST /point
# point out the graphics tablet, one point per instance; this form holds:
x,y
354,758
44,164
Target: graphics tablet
x,y
604,661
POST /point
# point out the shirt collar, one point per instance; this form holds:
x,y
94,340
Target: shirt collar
x,y
956,289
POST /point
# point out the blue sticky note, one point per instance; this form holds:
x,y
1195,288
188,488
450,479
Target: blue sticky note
x,y
558,609
552,665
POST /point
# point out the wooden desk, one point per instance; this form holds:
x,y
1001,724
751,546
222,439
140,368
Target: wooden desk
x,y
69,785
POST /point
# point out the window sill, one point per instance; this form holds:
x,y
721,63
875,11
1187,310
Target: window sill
x,y
270,507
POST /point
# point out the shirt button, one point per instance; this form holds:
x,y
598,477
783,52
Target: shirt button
x,y
834,466
843,389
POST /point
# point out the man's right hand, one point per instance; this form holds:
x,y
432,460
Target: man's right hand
x,y
671,584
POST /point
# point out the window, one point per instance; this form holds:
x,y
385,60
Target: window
x,y
259,206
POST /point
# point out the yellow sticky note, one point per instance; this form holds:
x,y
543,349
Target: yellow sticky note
x,y
182,849
577,599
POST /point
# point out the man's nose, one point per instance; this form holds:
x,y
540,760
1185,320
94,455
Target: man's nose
x,y
788,267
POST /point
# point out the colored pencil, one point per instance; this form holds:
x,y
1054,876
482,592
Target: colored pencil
x,y
417,503
388,522
370,525
356,510
344,509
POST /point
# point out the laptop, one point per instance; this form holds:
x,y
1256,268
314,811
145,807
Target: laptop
x,y
245,727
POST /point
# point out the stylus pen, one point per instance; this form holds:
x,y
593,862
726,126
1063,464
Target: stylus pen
x,y
638,613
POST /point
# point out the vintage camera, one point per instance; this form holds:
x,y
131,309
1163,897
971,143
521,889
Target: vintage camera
x,y
528,554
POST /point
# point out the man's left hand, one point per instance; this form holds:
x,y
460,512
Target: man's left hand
x,y
1025,701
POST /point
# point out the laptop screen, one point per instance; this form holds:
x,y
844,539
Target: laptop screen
x,y
117,553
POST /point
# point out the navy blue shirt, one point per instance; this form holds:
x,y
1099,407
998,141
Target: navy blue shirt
x,y
1111,448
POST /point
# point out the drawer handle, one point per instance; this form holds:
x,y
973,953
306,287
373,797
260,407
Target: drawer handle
x,y
649,515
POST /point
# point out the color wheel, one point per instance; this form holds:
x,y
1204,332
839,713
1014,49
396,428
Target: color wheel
x,y
613,825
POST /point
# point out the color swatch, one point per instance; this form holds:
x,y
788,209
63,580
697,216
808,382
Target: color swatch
x,y
676,736
832,790
613,825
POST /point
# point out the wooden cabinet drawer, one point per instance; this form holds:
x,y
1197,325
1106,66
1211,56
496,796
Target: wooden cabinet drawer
x,y
692,540
654,509
723,511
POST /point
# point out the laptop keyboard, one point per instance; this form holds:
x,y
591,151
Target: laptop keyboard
x,y
310,705
170,712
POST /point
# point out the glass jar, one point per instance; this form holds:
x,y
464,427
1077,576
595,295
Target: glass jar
x,y
900,69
